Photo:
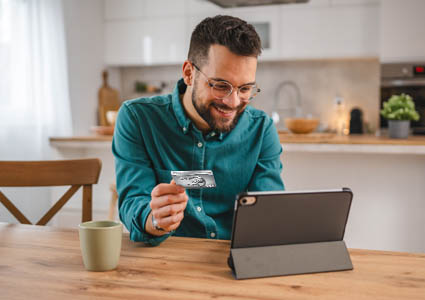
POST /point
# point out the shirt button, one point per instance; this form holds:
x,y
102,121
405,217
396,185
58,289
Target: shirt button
x,y
184,129
212,234
198,208
199,144
213,134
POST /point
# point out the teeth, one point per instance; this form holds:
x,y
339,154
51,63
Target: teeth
x,y
224,111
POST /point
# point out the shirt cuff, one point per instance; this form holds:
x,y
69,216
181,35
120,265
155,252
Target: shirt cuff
x,y
146,237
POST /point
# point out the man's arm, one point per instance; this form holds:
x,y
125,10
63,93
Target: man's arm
x,y
267,173
139,194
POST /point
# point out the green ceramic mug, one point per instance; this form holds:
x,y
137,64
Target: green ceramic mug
x,y
100,243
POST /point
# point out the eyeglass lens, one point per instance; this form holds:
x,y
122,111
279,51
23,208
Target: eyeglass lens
x,y
223,89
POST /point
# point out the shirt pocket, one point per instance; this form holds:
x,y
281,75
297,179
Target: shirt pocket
x,y
163,176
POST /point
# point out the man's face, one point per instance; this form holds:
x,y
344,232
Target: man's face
x,y
222,114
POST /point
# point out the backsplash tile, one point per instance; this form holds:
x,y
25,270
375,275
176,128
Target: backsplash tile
x,y
319,81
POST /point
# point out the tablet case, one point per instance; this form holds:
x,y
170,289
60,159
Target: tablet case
x,y
285,233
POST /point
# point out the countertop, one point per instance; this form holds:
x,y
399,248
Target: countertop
x,y
313,142
289,138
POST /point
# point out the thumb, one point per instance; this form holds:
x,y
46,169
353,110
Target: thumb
x,y
181,189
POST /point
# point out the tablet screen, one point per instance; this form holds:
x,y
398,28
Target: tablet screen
x,y
279,218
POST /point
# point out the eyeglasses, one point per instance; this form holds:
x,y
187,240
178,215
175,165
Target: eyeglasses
x,y
223,89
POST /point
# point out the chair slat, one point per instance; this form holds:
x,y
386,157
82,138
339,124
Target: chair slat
x,y
76,173
87,203
58,205
13,209
49,173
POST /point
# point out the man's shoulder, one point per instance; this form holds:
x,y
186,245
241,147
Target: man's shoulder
x,y
146,102
256,114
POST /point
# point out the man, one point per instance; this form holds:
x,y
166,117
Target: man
x,y
205,124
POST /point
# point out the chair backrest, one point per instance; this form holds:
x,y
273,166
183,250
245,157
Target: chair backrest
x,y
76,173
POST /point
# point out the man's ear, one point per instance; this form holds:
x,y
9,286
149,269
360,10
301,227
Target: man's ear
x,y
188,73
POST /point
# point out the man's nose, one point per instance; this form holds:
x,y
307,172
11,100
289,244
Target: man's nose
x,y
233,99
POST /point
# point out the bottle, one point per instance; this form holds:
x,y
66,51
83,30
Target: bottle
x,y
340,122
356,121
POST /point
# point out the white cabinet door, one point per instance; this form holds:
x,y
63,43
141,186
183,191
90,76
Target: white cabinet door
x,y
402,30
148,42
124,9
161,8
203,7
329,31
167,40
266,21
124,42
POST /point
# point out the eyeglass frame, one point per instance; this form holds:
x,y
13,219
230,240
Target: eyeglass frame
x,y
211,85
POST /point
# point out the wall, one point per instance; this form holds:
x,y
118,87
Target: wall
x,y
319,81
84,38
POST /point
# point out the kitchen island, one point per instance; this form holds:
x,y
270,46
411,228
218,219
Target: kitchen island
x,y
386,175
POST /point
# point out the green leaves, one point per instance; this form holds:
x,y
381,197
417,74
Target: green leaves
x,y
400,107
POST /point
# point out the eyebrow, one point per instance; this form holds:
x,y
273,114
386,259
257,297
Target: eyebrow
x,y
224,80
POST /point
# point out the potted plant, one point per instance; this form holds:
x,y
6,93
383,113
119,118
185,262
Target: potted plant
x,y
399,110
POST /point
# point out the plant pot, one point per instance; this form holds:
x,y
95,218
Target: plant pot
x,y
398,129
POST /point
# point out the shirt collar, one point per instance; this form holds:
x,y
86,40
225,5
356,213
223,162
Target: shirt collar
x,y
180,114
183,121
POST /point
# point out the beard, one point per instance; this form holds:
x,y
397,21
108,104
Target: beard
x,y
217,124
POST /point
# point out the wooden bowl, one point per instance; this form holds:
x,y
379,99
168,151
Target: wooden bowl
x,y
301,125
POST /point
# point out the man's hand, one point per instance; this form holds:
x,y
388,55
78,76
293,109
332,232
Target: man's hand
x,y
168,203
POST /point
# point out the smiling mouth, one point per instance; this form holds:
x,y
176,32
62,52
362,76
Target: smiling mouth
x,y
224,112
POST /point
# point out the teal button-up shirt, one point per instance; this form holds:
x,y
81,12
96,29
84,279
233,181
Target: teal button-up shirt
x,y
153,136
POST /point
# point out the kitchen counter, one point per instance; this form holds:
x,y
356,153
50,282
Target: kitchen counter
x,y
385,175
360,139
314,142
285,137
331,143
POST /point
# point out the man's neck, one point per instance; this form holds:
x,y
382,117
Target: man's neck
x,y
192,113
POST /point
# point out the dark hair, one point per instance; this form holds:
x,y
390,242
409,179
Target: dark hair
x,y
235,34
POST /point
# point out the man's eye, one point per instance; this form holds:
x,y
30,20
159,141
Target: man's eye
x,y
245,89
221,86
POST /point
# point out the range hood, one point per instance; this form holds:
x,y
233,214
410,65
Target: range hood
x,y
241,3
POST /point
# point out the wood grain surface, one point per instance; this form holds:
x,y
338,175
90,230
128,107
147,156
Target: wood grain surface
x,y
75,173
311,138
365,139
39,262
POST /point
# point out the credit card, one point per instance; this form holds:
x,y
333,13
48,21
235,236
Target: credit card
x,y
196,179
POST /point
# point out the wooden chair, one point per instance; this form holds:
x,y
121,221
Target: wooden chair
x,y
114,201
76,173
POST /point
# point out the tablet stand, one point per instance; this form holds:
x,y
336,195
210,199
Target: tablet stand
x,y
291,259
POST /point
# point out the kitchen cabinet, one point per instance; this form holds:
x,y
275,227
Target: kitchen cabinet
x,y
402,31
145,42
124,9
131,9
124,43
266,21
142,32
329,31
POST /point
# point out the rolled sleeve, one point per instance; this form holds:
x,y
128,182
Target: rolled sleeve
x,y
267,173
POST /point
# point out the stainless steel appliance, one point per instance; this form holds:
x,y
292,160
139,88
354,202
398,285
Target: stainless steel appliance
x,y
408,78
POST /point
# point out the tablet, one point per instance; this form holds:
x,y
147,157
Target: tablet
x,y
290,217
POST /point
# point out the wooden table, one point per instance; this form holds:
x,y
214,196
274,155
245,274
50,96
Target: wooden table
x,y
45,263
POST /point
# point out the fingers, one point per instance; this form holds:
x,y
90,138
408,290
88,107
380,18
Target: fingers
x,y
167,188
168,203
169,210
170,199
171,222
